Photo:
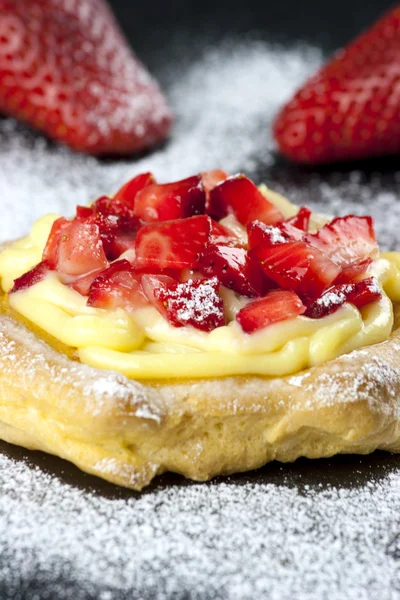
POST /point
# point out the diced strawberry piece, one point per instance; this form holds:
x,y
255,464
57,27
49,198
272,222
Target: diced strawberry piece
x,y
117,287
239,195
151,283
116,208
116,234
359,293
116,222
302,219
172,244
84,212
346,240
212,178
38,273
74,248
221,235
233,268
297,266
171,201
353,271
50,252
277,306
127,193
122,243
196,303
82,284
268,235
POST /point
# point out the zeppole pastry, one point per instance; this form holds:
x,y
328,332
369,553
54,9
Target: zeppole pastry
x,y
204,327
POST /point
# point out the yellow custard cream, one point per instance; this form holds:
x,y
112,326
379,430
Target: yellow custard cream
x,y
144,345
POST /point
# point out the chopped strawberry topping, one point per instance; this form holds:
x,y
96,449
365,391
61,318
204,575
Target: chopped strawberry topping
x,y
302,219
50,252
268,235
127,193
221,235
38,273
117,224
359,293
151,283
171,201
297,266
178,264
74,248
346,240
234,269
82,284
84,212
239,195
212,178
117,287
277,306
353,271
195,303
172,244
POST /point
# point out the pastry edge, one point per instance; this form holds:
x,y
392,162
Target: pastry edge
x,y
127,432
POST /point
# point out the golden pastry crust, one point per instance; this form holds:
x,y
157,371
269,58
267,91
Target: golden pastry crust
x,y
127,432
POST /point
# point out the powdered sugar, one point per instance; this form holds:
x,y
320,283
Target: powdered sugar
x,y
218,541
282,533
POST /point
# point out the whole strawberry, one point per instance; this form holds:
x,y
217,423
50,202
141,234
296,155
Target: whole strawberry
x,y
66,69
351,108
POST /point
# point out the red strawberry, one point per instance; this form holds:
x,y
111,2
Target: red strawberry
x,y
195,303
302,219
351,108
127,193
297,266
239,195
346,240
220,235
270,235
33,276
172,244
360,294
66,69
234,269
50,252
212,178
151,283
352,271
171,201
117,287
277,306
84,212
74,249
116,222
83,283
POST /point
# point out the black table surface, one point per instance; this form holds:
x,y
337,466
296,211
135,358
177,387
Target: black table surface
x,y
159,31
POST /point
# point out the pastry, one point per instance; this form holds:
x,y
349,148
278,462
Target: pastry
x,y
204,327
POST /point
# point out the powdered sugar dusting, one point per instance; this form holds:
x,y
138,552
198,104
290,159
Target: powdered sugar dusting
x,y
218,541
285,533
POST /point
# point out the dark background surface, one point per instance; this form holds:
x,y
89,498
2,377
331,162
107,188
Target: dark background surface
x,y
151,25
158,31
